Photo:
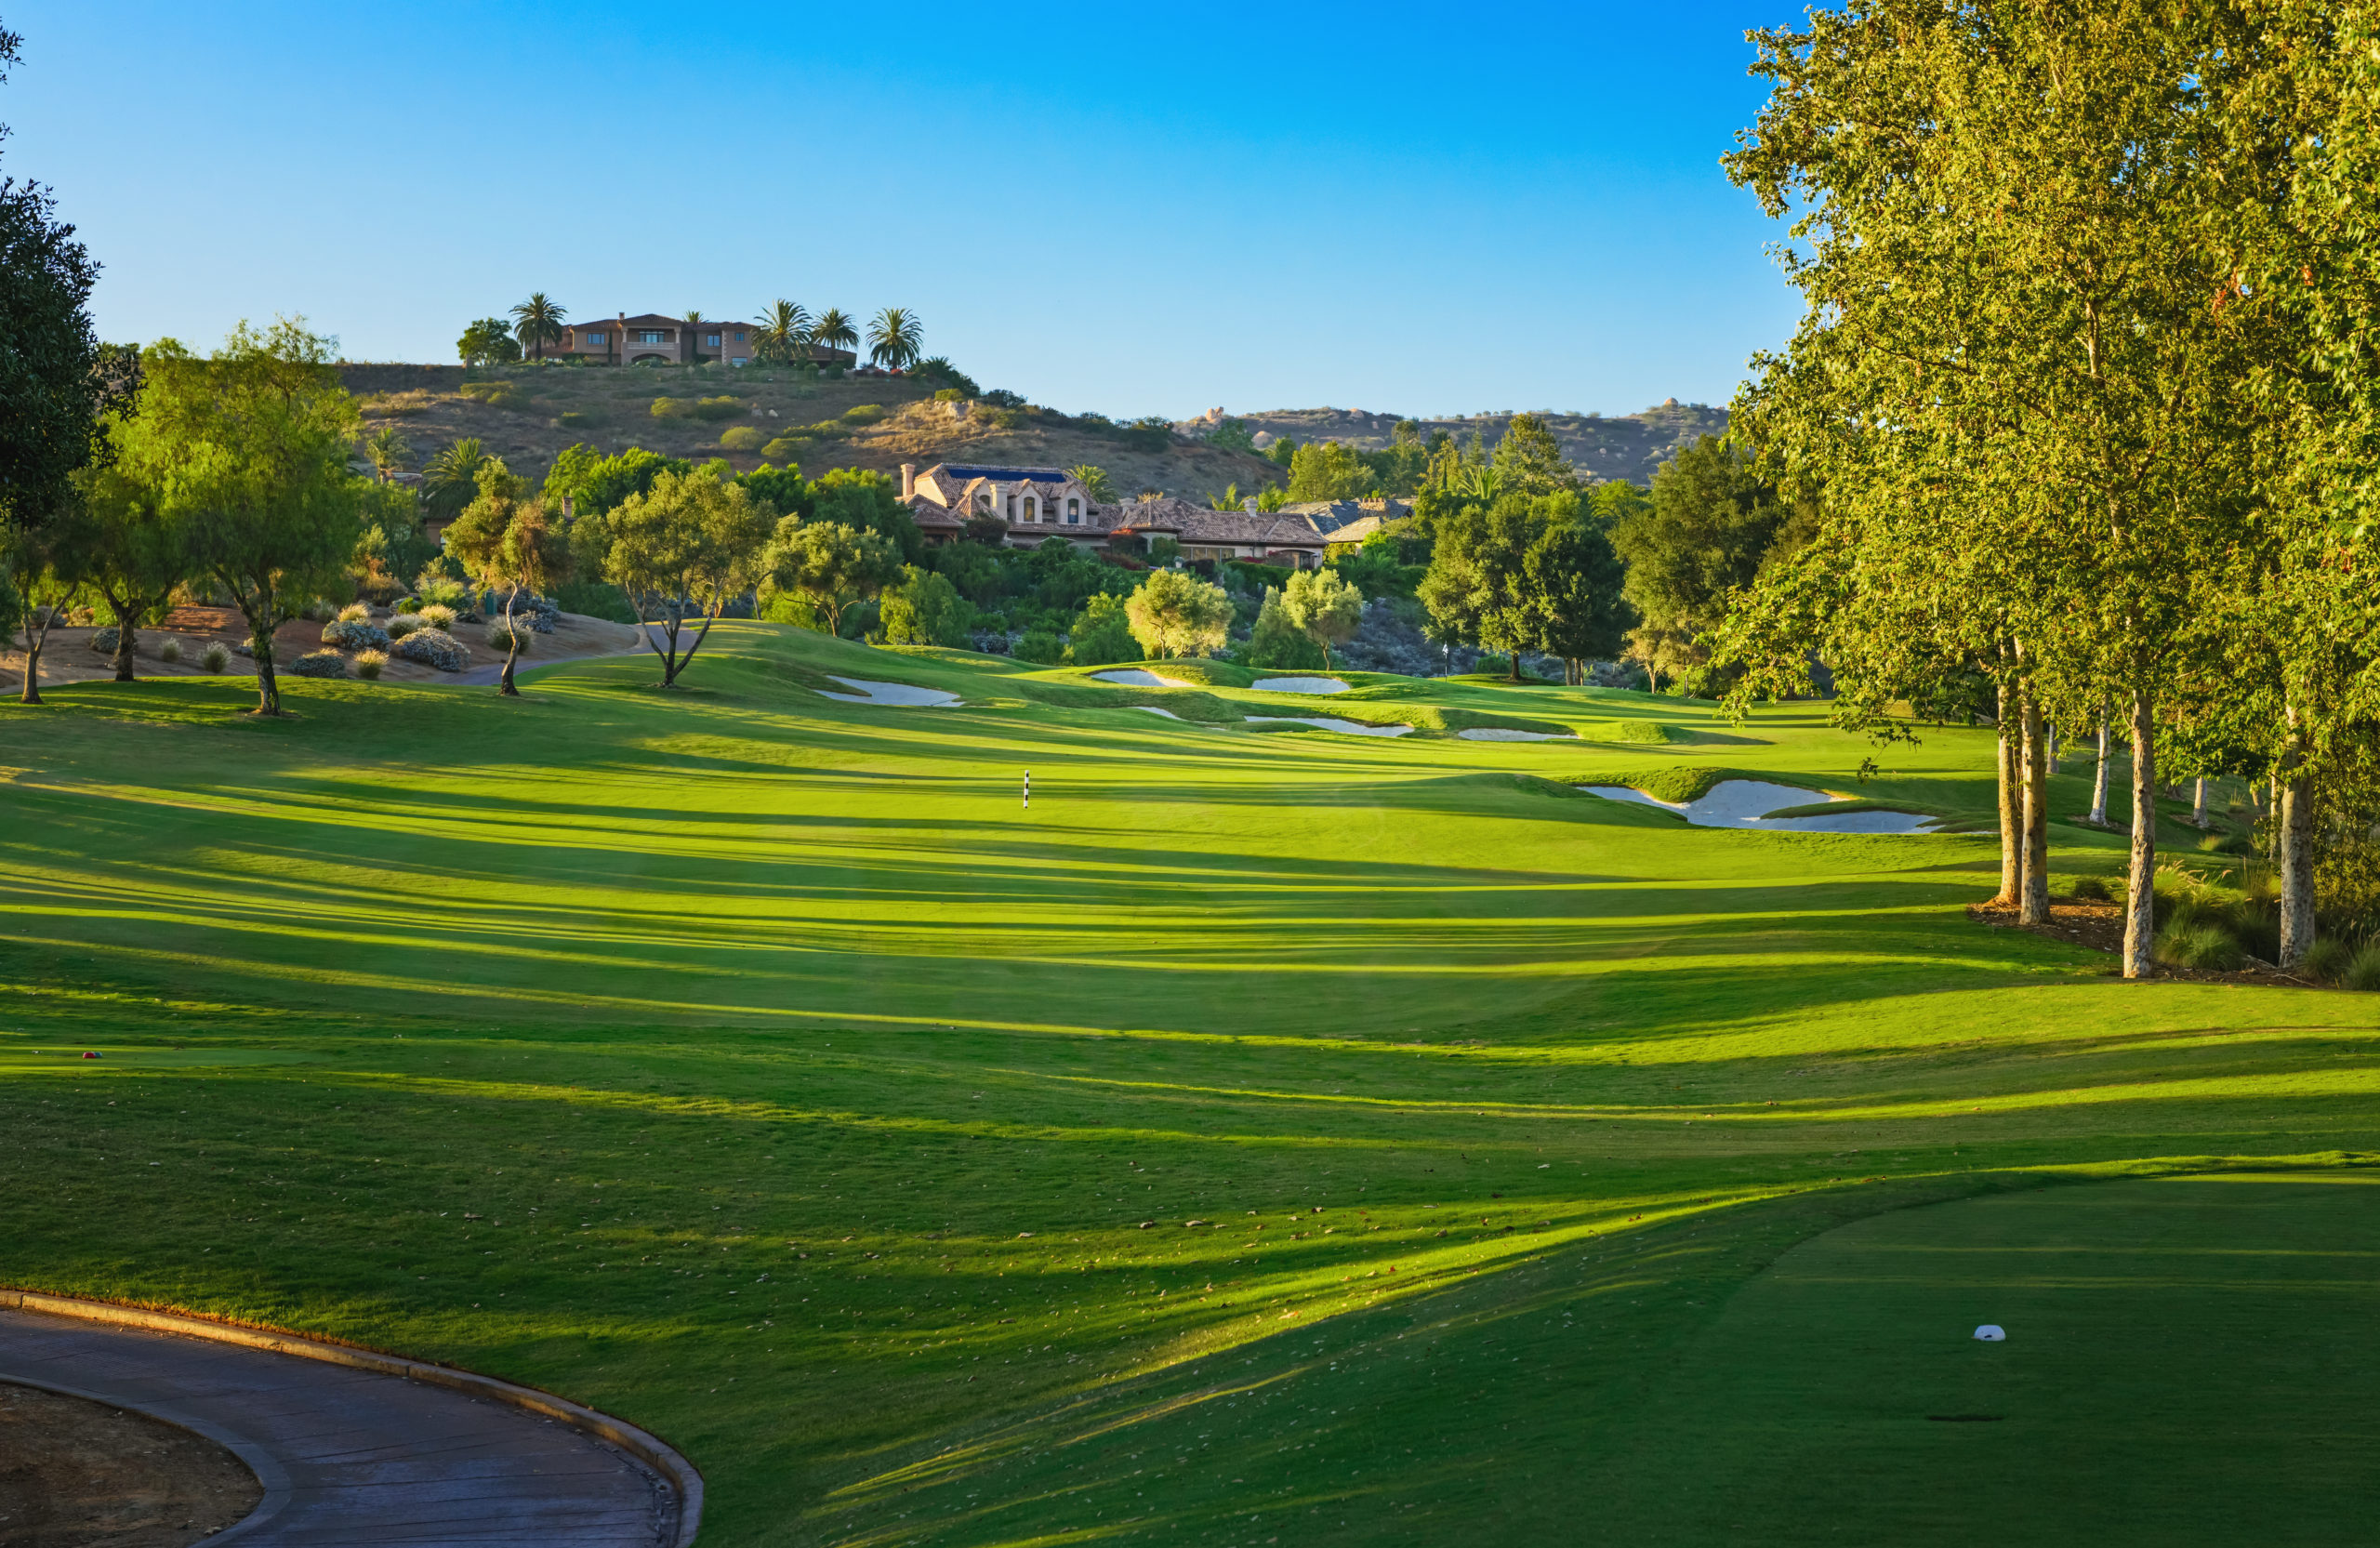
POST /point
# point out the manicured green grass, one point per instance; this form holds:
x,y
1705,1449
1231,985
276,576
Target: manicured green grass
x,y
760,1068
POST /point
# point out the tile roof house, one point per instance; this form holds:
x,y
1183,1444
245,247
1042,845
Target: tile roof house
x,y
1041,503
652,339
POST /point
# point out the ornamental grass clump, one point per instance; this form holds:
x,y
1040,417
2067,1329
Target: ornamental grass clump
x,y
438,615
170,651
433,647
2199,943
368,664
319,663
215,657
2326,960
355,613
2363,970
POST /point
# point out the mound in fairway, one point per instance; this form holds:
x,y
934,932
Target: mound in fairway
x,y
1341,1139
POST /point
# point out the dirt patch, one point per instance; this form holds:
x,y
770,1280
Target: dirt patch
x,y
68,657
2099,926
75,1473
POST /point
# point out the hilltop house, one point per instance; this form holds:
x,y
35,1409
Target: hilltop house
x,y
1041,503
652,339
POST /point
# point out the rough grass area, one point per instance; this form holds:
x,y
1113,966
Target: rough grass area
x,y
1327,1139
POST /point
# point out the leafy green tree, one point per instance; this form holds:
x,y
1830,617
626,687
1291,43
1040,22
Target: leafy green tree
x,y
1325,606
44,567
1278,643
785,331
1175,614
832,563
895,339
1477,586
1613,502
251,444
503,539
1282,452
1710,523
1574,581
137,543
870,501
537,323
925,609
488,341
834,330
1232,435
1529,460
686,548
1103,634
1329,470
58,384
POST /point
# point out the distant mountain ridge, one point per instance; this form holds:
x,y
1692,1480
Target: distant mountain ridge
x,y
1601,447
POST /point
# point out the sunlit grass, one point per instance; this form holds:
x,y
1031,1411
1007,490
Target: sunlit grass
x,y
759,1068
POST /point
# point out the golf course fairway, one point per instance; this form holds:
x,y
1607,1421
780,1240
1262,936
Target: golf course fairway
x,y
1265,1135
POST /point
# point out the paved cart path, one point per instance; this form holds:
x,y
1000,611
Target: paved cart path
x,y
352,1458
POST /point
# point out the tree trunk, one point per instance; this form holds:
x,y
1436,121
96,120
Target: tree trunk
x,y
34,640
511,648
2295,843
268,685
2140,907
2099,784
2198,804
2033,901
2011,846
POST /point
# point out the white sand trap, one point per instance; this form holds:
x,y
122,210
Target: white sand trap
x,y
1301,685
891,692
1746,802
1327,722
1136,678
1506,734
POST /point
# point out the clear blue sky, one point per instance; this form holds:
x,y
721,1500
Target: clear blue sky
x,y
1132,208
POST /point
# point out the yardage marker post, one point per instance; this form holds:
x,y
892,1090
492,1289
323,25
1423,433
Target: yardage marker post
x,y
1028,790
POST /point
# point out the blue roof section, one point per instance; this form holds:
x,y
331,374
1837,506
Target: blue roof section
x,y
957,471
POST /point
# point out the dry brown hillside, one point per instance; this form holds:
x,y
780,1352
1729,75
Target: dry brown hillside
x,y
527,417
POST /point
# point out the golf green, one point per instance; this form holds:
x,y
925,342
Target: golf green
x,y
1261,1134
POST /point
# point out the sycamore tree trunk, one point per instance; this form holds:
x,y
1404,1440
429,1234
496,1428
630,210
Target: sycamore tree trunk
x,y
2099,783
2011,846
2032,906
2140,907
2198,803
2295,841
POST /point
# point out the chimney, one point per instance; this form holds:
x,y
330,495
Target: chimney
x,y
908,480
1249,504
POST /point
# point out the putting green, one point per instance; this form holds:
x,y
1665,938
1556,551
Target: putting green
x,y
1335,1139
2188,1360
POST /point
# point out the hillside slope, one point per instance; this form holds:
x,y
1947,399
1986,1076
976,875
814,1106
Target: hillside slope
x,y
1629,446
536,413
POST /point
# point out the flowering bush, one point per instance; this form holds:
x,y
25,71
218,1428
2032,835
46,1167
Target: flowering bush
x,y
319,663
356,636
433,647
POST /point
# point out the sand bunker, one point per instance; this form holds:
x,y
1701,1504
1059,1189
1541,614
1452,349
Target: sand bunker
x,y
1136,677
891,692
1327,722
1506,734
1300,685
1747,802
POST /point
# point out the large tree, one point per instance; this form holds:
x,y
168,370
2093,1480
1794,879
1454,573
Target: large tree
x,y
1175,614
139,543
834,330
1710,523
537,323
251,447
686,548
832,563
503,538
895,339
782,336
1476,587
1325,606
1573,581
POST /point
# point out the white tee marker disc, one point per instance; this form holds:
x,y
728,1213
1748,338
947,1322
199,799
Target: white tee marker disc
x,y
1991,1333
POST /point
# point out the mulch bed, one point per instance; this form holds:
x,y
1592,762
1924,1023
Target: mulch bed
x,y
2099,927
75,1473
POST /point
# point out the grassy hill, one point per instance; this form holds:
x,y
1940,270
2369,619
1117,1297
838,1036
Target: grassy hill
x,y
1627,446
1261,1137
528,415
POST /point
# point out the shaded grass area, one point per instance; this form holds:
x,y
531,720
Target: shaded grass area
x,y
759,1068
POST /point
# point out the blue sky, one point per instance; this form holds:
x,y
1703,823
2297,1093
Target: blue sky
x,y
1437,209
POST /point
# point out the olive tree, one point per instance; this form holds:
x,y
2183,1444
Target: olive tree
x,y
1175,614
1324,605
832,563
684,548
503,538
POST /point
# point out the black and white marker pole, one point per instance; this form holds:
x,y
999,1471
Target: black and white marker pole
x,y
1029,788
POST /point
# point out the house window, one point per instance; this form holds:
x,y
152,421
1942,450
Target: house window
x,y
1032,511
983,503
1074,513
651,335
739,338
712,340
594,339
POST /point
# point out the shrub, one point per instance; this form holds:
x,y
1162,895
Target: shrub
x,y
350,635
580,419
948,395
786,448
2255,925
368,664
2226,844
1040,647
104,639
2363,970
438,615
865,413
402,623
829,429
319,663
440,591
2193,943
596,599
355,613
741,438
719,408
2326,960
2091,889
672,408
215,657
502,635
170,651
408,604
434,647
322,610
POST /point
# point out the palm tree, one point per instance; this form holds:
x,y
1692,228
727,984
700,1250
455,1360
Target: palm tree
x,y
694,346
388,449
450,479
834,330
537,323
1095,483
785,331
895,339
